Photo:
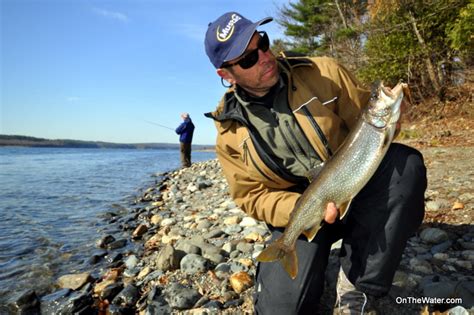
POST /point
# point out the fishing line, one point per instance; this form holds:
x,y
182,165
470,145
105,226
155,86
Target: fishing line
x,y
160,125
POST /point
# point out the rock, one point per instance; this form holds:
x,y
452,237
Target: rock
x,y
168,222
143,273
67,302
213,234
127,297
232,220
131,262
74,281
458,310
184,299
188,248
434,235
104,241
156,219
53,302
153,242
192,263
245,247
422,266
240,281
117,244
168,258
439,248
139,231
100,286
26,302
248,221
110,292
181,297
450,289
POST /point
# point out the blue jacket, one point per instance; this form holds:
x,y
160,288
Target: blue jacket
x,y
185,131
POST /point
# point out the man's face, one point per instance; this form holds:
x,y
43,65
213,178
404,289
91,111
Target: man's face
x,y
257,79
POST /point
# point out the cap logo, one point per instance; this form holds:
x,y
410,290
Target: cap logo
x,y
228,30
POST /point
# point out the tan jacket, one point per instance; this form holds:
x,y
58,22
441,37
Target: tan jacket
x,y
326,100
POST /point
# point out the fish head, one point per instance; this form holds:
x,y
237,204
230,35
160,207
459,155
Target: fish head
x,y
384,106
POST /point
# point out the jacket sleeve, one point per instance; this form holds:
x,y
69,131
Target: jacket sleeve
x,y
257,200
181,128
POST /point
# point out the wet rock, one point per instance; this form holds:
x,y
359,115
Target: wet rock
x,y
131,262
117,244
67,302
113,257
139,231
53,303
74,281
104,241
127,297
111,291
26,302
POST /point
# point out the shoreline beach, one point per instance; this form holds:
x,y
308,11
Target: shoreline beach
x,y
194,250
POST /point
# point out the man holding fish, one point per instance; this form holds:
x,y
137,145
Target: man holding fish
x,y
308,150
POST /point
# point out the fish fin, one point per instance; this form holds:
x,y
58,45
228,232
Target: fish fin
x,y
290,263
314,172
344,207
278,251
275,251
311,232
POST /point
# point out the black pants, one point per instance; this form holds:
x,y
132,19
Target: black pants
x,y
382,217
185,154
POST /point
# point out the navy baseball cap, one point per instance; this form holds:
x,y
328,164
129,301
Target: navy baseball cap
x,y
228,37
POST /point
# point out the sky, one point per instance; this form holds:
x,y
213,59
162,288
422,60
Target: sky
x,y
112,70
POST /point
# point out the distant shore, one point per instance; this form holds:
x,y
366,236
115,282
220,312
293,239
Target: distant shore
x,y
26,141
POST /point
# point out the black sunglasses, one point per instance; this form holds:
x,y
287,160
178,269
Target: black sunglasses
x,y
251,58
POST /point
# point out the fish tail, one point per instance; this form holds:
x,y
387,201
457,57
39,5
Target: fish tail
x,y
279,251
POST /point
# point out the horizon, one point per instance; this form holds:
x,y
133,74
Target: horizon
x,y
126,143
93,70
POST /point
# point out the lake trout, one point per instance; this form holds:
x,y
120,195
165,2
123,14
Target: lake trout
x,y
341,178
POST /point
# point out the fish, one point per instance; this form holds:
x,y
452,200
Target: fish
x,y
342,176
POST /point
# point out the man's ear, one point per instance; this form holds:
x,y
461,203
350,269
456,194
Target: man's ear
x,y
226,75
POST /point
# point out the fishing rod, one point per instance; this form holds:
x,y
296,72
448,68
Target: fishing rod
x,y
156,124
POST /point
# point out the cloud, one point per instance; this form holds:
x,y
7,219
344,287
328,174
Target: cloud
x,y
111,14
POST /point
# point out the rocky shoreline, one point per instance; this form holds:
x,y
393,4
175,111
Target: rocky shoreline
x,y
184,247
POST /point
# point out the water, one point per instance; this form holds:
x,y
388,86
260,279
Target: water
x,y
51,201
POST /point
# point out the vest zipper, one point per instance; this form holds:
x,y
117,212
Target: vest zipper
x,y
320,133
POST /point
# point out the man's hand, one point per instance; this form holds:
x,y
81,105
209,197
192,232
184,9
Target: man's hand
x,y
331,213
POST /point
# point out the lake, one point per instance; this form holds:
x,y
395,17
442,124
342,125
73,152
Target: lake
x,y
51,203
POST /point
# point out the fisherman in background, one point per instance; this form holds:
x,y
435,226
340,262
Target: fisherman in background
x,y
185,131
281,117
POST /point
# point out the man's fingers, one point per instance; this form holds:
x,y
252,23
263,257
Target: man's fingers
x,y
331,213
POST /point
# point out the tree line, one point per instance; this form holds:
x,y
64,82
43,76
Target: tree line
x,y
426,43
